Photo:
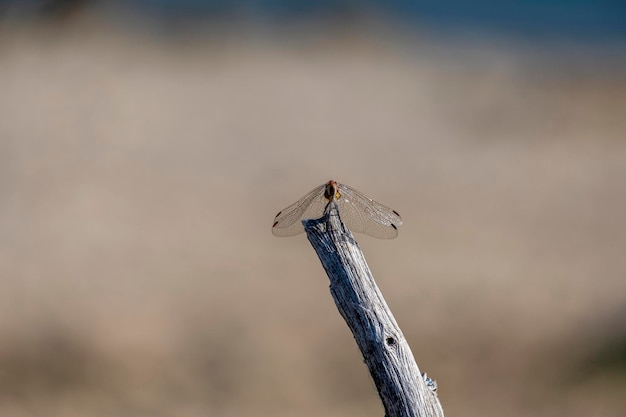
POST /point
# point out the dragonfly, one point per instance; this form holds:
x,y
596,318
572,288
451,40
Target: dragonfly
x,y
358,212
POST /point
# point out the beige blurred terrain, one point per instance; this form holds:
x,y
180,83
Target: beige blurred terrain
x,y
139,176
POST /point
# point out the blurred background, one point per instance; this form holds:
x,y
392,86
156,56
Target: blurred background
x,y
146,146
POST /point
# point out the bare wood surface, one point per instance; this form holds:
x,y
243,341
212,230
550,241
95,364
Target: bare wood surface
x,y
402,388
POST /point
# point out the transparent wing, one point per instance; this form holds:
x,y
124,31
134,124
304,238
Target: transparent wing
x,y
288,222
363,215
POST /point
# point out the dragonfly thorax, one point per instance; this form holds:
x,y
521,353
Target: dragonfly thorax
x,y
331,191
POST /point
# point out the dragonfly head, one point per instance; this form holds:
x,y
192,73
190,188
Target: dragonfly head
x,y
331,191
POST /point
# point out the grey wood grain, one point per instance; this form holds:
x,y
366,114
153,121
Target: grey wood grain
x,y
404,391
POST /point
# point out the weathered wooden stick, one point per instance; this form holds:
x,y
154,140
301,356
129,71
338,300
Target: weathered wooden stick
x,y
403,390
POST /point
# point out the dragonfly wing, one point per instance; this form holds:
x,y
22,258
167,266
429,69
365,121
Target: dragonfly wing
x,y
364,215
288,222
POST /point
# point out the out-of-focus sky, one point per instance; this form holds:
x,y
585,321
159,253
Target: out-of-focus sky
x,y
577,18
